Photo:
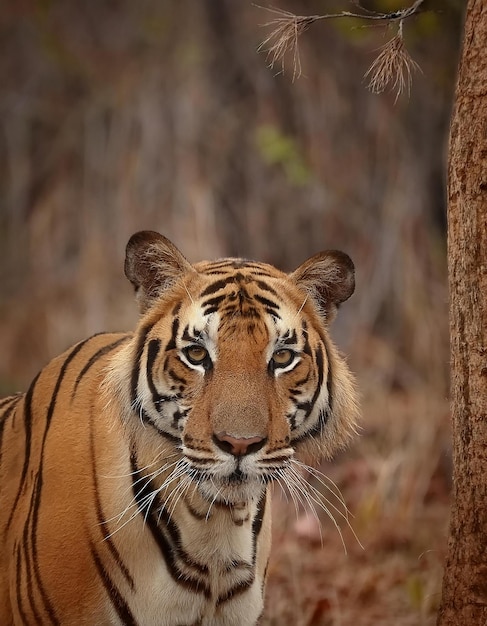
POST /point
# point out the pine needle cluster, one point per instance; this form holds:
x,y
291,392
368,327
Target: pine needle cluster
x,y
393,67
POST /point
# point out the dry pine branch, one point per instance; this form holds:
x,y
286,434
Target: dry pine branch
x,y
393,66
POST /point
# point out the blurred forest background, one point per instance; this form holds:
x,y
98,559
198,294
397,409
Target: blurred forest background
x,y
118,116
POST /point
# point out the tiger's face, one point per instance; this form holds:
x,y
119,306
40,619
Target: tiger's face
x,y
234,363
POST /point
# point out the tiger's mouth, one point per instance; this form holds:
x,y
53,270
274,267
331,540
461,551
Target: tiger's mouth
x,y
237,477
237,486
230,493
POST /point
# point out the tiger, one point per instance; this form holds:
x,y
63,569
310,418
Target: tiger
x,y
136,472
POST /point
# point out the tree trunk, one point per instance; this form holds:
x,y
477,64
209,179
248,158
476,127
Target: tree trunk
x,y
464,599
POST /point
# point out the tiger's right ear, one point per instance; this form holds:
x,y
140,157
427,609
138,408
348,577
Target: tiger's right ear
x,y
152,264
329,278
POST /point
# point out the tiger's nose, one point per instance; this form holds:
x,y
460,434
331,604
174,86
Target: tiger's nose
x,y
238,446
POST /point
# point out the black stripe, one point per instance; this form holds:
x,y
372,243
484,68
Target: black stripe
x,y
320,366
177,417
324,413
236,590
37,492
152,352
116,598
185,336
62,372
175,536
233,565
273,313
147,419
329,378
27,560
171,345
233,264
262,273
245,311
210,310
307,407
168,550
32,519
28,438
266,302
299,383
176,377
291,339
216,286
100,516
257,524
228,263
94,358
134,378
323,418
253,265
18,588
198,461
213,302
265,287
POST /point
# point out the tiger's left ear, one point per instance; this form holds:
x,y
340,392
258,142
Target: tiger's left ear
x,y
153,264
329,278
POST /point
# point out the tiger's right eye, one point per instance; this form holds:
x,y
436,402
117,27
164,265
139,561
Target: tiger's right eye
x,y
283,357
196,355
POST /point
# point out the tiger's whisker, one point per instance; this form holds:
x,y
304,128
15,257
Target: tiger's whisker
x,y
179,469
319,476
319,499
212,503
311,488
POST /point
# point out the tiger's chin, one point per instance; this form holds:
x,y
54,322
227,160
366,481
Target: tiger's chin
x,y
233,489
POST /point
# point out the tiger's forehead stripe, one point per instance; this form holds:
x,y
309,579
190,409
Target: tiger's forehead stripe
x,y
211,305
266,287
216,286
246,274
290,338
238,292
232,264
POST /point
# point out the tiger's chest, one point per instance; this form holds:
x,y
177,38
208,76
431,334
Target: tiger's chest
x,y
170,605
205,571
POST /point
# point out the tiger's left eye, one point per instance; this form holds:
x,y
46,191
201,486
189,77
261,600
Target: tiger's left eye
x,y
283,357
196,355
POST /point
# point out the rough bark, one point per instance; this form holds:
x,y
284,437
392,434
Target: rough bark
x,y
464,600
